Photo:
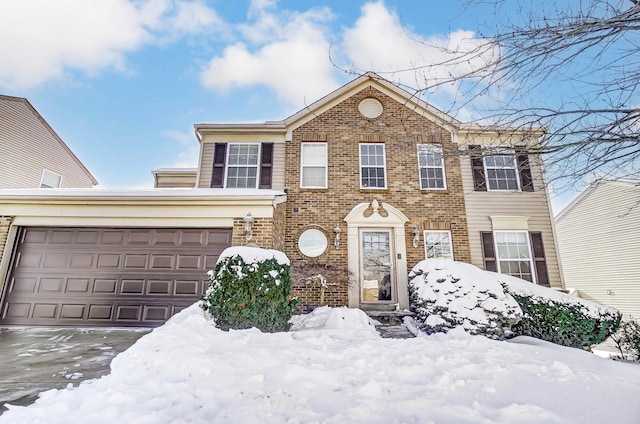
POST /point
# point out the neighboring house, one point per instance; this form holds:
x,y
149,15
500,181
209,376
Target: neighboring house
x,y
31,153
368,179
598,238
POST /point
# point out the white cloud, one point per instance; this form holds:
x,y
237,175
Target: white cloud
x,y
379,42
45,40
286,51
289,52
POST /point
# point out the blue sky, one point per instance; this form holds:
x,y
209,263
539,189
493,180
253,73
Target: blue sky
x,y
122,82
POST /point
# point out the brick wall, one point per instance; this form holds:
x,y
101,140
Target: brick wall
x,y
279,216
400,129
262,233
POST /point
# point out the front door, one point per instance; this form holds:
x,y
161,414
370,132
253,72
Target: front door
x,y
377,282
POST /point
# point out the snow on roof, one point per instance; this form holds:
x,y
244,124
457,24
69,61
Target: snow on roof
x,y
139,192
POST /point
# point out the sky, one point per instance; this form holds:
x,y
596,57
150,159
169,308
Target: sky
x,y
123,82
333,367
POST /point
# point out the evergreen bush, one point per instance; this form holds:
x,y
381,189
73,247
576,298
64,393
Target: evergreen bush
x,y
571,324
250,294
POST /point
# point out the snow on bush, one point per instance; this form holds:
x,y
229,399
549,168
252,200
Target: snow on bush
x,y
558,317
445,295
250,287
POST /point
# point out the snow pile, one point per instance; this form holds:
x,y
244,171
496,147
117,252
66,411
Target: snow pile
x,y
446,294
188,371
252,255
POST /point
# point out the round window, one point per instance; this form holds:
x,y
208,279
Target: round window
x,y
370,108
312,243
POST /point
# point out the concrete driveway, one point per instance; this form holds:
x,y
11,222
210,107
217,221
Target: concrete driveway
x,y
36,359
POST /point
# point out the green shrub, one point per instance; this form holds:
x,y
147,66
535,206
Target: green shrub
x,y
244,295
627,340
571,324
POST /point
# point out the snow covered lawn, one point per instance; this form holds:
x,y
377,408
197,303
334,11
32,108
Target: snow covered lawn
x,y
334,368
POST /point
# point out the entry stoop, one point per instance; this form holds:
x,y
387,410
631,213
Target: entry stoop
x,y
389,323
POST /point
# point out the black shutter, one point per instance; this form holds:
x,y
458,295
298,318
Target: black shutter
x,y
266,165
477,168
524,169
539,259
219,159
488,251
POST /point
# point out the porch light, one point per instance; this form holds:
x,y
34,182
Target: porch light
x,y
336,241
416,236
248,225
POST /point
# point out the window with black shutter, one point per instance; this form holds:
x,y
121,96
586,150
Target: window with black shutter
x,y
526,180
219,160
539,259
489,251
243,165
477,168
266,165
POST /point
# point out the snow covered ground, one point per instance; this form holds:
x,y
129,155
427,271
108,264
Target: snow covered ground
x,y
334,368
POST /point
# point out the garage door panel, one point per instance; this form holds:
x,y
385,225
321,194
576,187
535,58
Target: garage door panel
x,y
130,277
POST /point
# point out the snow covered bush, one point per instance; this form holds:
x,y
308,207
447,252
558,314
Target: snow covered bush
x,y
627,340
558,317
250,287
445,294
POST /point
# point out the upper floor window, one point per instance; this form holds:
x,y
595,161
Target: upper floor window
x,y
431,164
313,164
437,245
502,170
242,165
50,179
372,166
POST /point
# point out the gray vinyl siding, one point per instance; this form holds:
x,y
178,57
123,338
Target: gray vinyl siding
x,y
206,165
277,182
599,242
27,147
481,205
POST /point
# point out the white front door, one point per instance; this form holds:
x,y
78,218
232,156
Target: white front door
x,y
377,274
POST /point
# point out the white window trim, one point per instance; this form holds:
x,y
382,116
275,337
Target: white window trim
x,y
46,171
515,167
384,165
326,164
227,166
424,238
531,261
444,174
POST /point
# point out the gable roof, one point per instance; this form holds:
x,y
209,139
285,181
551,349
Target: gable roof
x,y
14,101
369,79
591,189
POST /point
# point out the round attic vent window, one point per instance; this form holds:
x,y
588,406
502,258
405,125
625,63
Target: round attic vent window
x,y
370,108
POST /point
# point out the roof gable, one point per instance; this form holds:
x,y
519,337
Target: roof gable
x,y
370,79
22,102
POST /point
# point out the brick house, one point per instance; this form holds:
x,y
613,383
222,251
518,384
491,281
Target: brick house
x,y
368,181
377,180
